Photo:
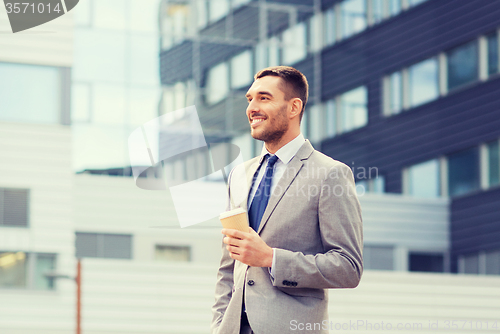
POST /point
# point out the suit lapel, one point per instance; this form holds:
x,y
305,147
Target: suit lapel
x,y
292,169
250,174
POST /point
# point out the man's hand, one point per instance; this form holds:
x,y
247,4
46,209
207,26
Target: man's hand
x,y
248,248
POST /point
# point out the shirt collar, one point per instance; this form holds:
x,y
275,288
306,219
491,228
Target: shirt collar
x,y
287,152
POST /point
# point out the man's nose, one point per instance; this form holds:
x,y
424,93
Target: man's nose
x,y
253,106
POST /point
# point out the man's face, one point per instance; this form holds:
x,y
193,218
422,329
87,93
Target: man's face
x,y
267,109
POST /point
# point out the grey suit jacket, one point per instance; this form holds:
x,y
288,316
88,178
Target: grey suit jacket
x,y
313,219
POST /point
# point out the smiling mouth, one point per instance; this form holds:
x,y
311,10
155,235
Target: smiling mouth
x,y
257,120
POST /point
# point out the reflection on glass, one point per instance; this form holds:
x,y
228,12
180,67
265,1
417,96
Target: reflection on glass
x,y
80,102
13,270
175,24
109,105
173,253
45,263
316,122
492,54
494,163
330,31
394,7
396,92
273,56
331,118
377,7
353,13
378,258
217,83
493,263
471,264
294,44
241,69
424,179
30,93
416,2
462,65
378,184
424,85
109,14
217,9
99,55
463,172
354,109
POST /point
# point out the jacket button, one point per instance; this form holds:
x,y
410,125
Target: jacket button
x,y
285,282
251,282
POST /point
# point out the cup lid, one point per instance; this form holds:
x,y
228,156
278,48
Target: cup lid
x,y
234,212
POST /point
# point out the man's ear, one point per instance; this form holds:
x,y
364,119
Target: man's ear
x,y
296,107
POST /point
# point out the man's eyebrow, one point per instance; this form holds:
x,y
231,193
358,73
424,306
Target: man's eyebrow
x,y
260,93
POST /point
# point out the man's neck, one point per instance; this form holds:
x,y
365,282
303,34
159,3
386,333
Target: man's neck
x,y
273,147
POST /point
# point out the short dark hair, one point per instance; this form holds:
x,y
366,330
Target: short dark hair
x,y
295,83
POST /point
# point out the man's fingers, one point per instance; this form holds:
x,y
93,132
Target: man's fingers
x,y
233,233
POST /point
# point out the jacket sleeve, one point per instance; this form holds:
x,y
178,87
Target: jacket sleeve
x,y
225,283
341,231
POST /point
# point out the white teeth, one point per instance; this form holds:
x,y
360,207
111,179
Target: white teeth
x,y
257,120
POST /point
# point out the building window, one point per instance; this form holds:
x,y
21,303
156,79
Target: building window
x,y
377,8
422,262
374,185
424,179
26,270
31,93
378,258
217,9
492,53
331,118
463,172
353,17
242,69
470,264
416,2
354,111
14,207
317,124
394,7
330,27
462,65
393,88
173,253
492,263
423,82
217,85
493,163
174,24
295,44
111,246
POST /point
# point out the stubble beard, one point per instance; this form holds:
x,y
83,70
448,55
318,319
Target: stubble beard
x,y
280,127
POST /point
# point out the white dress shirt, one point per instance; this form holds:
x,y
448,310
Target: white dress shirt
x,y
285,155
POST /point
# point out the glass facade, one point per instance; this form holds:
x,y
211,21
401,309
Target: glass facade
x,y
30,93
492,53
217,83
115,75
353,17
423,262
330,26
395,93
242,69
111,246
493,163
13,270
463,172
424,179
354,109
378,258
294,44
492,262
423,82
462,65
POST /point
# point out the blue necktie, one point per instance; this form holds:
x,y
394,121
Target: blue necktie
x,y
262,194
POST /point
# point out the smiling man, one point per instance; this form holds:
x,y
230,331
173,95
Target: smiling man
x,y
306,226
